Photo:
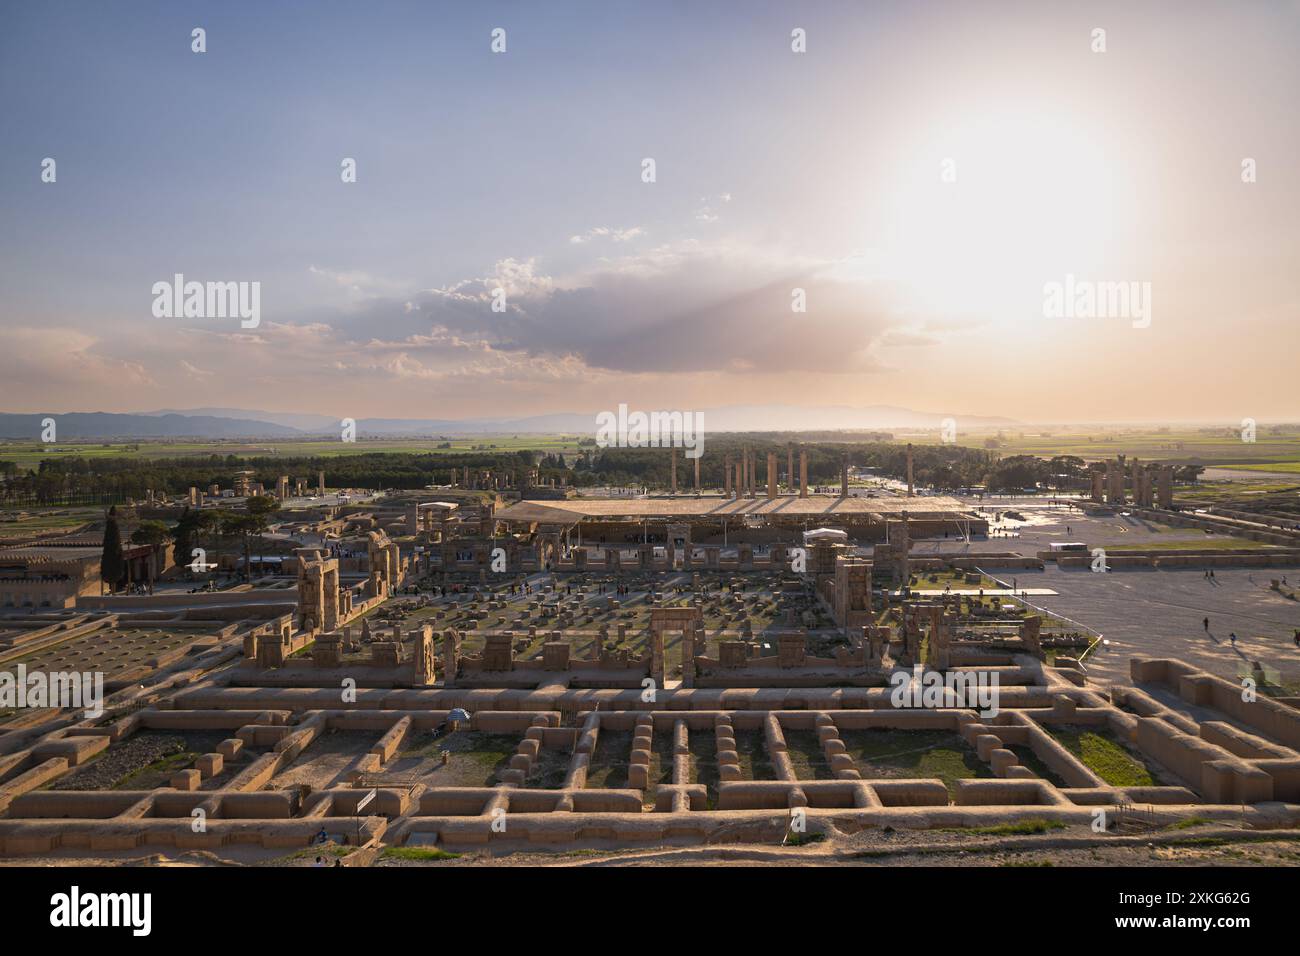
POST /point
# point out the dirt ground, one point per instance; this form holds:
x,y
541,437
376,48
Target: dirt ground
x,y
1204,845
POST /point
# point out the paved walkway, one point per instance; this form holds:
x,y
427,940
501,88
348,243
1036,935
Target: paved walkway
x,y
1160,613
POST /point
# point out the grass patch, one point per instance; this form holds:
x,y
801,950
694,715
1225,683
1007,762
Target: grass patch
x,y
1105,756
491,752
162,768
1199,841
914,754
417,853
1021,828
1029,759
704,763
610,760
806,756
1187,823
751,748
332,850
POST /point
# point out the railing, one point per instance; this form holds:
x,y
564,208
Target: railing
x,y
1096,635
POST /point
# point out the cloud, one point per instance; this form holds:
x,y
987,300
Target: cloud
x,y
906,338
357,283
195,370
38,358
687,306
602,232
708,212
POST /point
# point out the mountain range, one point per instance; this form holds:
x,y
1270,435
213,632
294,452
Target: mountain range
x,y
232,423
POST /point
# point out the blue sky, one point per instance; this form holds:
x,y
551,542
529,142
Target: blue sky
x,y
520,171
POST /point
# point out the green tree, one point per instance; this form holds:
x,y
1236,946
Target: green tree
x,y
155,535
184,533
112,566
260,510
212,525
245,526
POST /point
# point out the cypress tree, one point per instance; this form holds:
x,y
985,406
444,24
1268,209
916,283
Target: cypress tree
x,y
112,566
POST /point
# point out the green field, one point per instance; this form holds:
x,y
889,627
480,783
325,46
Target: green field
x,y
28,455
34,520
1224,446
1281,467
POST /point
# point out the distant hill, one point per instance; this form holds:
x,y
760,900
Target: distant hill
x,y
228,423
737,418
82,425
301,421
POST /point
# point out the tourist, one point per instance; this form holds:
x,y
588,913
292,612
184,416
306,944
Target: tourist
x,y
1206,624
1232,637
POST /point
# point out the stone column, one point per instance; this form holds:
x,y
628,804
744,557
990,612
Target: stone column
x,y
803,473
909,471
1165,487
771,474
688,655
726,475
450,657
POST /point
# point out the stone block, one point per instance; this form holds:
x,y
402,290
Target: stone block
x,y
186,780
209,765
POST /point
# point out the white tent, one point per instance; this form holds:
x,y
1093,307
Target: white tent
x,y
825,534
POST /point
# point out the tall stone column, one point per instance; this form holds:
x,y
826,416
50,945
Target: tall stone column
x,y
803,473
674,469
771,474
688,655
726,475
909,471
789,465
450,657
1165,487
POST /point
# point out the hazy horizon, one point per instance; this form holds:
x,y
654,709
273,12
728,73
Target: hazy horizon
x,y
922,172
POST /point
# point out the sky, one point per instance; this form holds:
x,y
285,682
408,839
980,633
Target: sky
x,y
920,176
